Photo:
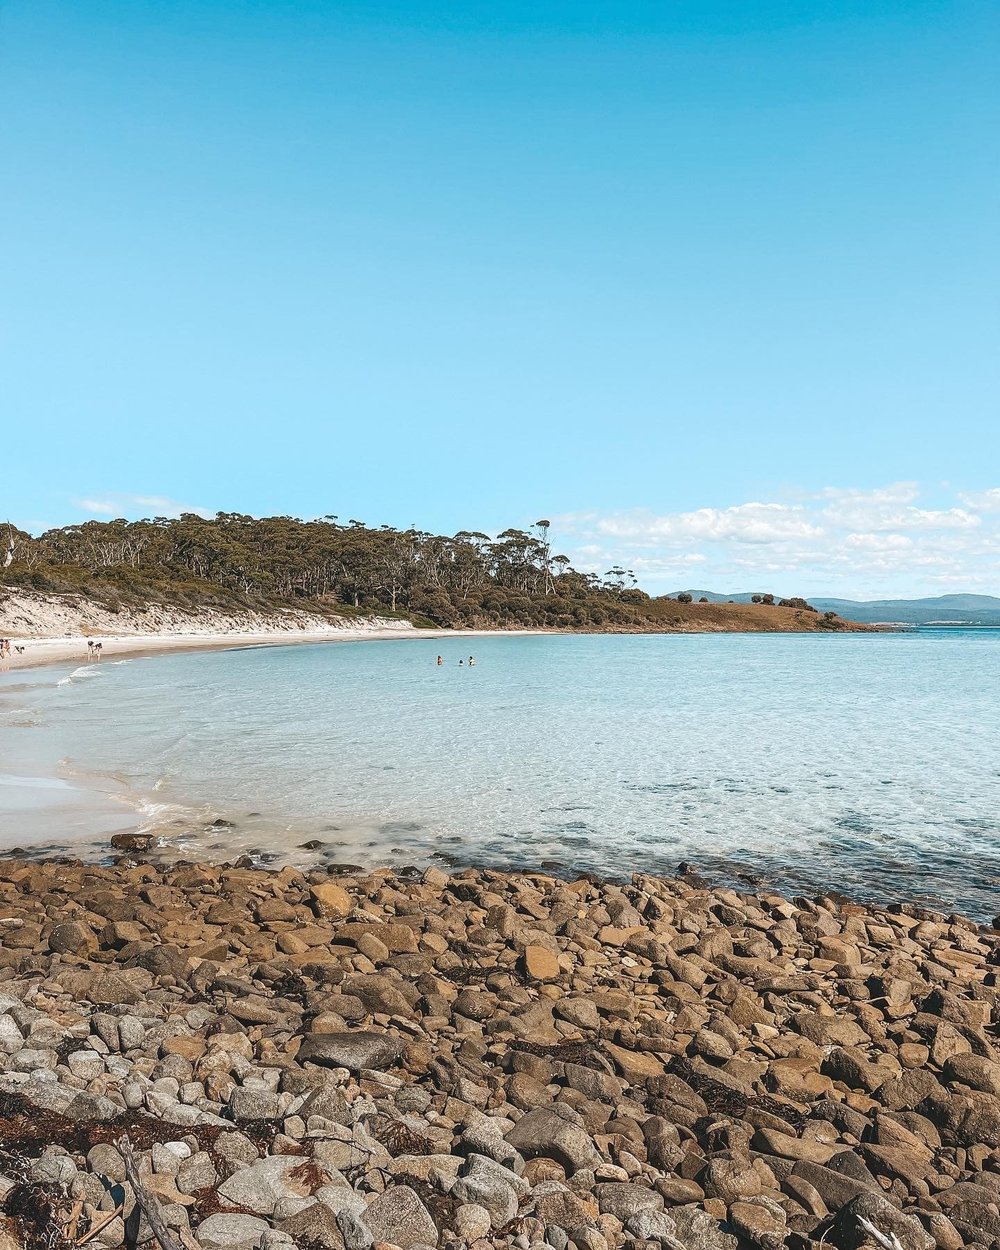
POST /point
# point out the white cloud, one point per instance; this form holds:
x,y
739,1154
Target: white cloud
x,y
867,515
877,543
983,501
895,492
101,506
747,523
880,542
132,506
890,507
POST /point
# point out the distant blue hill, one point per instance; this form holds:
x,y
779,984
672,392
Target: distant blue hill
x,y
954,609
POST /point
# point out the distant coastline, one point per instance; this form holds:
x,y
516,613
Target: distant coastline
x,y
936,610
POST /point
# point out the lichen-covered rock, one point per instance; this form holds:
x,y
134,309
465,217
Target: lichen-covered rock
x,y
260,1187
400,1218
356,1051
231,1232
548,1132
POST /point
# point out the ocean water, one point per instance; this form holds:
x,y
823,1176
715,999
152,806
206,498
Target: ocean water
x,y
866,764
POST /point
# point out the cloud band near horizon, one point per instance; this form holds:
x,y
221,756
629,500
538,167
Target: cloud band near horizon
x,y
850,543
881,543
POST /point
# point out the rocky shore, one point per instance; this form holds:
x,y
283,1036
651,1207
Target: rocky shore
x,y
229,1059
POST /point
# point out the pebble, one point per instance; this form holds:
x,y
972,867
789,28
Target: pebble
x,y
486,1059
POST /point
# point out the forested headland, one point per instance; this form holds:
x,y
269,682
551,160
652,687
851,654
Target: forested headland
x,y
468,580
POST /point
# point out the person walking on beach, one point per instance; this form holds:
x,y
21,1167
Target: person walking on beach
x,y
98,647
90,648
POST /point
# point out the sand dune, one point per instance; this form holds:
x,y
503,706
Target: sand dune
x,y
55,628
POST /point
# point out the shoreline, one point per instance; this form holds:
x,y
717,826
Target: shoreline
x,y
41,652
491,1059
196,827
44,651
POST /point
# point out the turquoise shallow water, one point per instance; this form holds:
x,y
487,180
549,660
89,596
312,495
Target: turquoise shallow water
x,y
868,764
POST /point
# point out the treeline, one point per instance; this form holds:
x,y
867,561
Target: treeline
x,y
469,579
465,580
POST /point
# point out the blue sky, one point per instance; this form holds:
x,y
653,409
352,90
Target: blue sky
x,y
711,285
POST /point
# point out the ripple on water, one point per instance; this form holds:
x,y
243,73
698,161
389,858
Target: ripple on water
x,y
862,764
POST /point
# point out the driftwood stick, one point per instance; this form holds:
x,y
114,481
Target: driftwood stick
x,y
889,1240
101,1224
147,1202
69,1232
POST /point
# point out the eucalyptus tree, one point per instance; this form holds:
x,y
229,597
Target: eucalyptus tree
x,y
467,578
546,552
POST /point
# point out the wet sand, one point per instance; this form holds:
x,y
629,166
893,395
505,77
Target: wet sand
x,y
42,651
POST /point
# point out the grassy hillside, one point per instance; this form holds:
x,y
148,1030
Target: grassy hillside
x,y
669,615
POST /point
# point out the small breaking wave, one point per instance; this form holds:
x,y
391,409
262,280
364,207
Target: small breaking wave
x,y
80,674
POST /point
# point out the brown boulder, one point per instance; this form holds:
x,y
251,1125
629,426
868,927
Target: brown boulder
x,y
969,1120
398,1217
731,1178
382,993
330,900
829,1030
635,1065
554,1135
975,1071
71,938
762,1224
540,964
314,1226
851,1229
354,1051
853,1068
834,1188
397,938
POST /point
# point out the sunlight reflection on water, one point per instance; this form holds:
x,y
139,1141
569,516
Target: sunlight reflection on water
x,y
859,763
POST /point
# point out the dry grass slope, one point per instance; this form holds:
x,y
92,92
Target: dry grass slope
x,y
671,617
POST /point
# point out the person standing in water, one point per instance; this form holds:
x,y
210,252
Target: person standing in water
x,y
471,661
440,660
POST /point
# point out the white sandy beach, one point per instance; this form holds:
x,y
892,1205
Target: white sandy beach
x,y
54,629
39,651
